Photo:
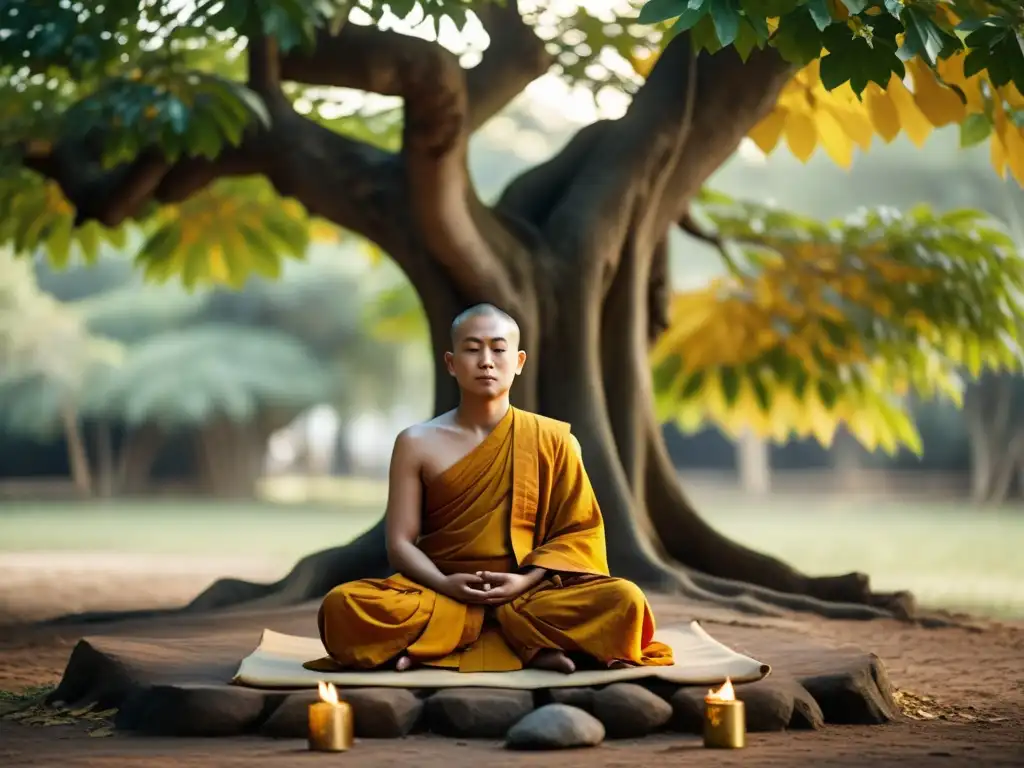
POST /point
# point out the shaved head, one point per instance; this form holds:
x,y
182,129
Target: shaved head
x,y
486,310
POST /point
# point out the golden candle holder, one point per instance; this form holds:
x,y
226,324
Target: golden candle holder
x,y
330,722
725,721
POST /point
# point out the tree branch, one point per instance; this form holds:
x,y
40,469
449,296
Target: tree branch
x,y
435,140
113,196
264,66
732,96
515,58
534,194
627,165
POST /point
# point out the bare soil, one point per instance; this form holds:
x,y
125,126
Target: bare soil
x,y
962,689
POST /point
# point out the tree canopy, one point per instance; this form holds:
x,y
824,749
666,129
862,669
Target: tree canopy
x,y
123,123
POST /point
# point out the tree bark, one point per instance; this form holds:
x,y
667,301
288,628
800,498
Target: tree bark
x,y
575,250
78,455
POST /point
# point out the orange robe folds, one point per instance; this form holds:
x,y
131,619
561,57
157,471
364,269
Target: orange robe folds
x,y
520,499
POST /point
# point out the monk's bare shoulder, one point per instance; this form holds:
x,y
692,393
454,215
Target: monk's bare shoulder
x,y
417,441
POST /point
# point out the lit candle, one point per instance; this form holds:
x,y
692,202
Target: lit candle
x,y
330,722
725,722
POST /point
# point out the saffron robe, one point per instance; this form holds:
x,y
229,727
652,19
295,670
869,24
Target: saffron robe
x,y
521,498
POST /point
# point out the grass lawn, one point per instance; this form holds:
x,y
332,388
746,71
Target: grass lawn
x,y
949,556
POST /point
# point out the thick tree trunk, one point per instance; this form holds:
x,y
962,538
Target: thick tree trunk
x,y
575,250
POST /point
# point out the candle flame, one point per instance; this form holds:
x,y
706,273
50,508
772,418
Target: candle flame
x,y
328,692
725,693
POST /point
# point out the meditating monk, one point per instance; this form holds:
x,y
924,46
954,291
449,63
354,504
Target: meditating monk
x,y
496,537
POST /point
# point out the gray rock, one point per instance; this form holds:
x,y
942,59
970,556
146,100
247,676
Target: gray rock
x,y
378,713
384,713
290,719
768,703
485,713
859,693
688,710
628,710
191,710
556,726
807,715
773,704
583,698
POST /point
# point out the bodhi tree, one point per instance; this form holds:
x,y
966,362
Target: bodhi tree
x,y
131,112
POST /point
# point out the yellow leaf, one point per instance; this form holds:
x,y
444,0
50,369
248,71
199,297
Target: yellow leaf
x,y
801,135
884,116
766,134
1013,144
997,148
321,231
643,62
218,267
835,141
951,70
855,122
915,124
1012,96
939,104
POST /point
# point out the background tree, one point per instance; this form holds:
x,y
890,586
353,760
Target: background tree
x,y
48,359
142,124
204,376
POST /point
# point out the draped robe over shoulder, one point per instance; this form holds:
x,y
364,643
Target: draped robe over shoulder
x,y
520,499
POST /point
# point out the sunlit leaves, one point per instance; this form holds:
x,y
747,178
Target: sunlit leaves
x,y
224,234
34,215
859,41
830,323
195,115
808,115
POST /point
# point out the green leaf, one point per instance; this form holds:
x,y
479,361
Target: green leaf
x,y
798,39
856,6
828,394
730,385
661,10
726,17
974,129
693,385
746,40
923,37
895,7
820,13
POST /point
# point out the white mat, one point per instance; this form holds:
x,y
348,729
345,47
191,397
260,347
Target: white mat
x,y
699,660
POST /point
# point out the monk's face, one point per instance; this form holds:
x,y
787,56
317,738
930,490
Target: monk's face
x,y
486,357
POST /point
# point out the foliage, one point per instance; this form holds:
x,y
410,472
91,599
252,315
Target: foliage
x,y
818,324
963,61
44,343
186,378
167,75
277,346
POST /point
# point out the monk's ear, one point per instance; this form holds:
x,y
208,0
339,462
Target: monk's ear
x,y
520,361
449,361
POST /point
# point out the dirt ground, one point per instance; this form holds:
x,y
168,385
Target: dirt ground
x,y
974,678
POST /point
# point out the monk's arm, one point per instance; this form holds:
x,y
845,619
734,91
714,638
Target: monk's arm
x,y
402,520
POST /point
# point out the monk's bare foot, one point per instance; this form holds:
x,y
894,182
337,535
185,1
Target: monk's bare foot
x,y
403,663
616,664
553,661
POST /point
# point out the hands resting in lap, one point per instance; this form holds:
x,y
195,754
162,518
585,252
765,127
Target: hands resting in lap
x,y
488,587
